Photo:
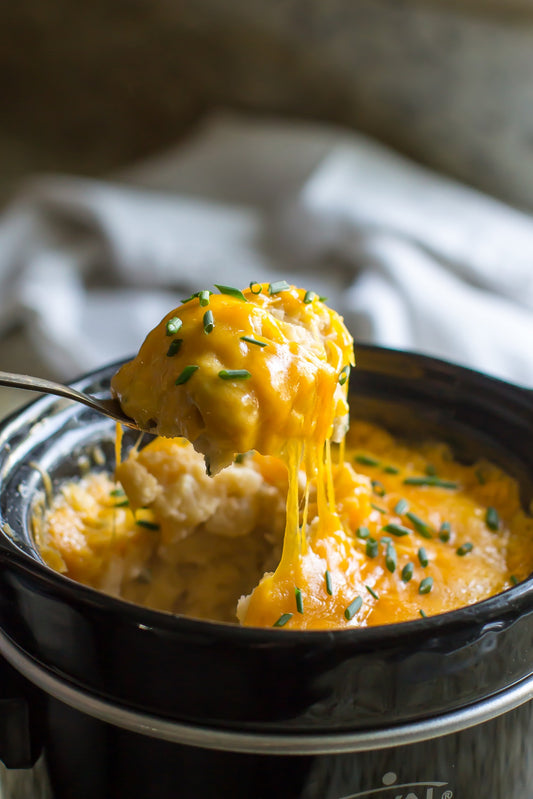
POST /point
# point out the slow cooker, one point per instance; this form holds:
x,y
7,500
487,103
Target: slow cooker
x,y
115,700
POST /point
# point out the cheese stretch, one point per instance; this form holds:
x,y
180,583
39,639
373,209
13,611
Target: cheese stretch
x,y
296,528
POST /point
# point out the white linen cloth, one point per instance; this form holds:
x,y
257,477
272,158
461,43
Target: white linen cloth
x,y
411,259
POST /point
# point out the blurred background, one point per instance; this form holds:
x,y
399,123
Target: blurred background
x,y
90,89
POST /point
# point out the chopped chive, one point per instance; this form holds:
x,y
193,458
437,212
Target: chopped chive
x,y
391,558
514,579
376,507
362,532
423,557
123,504
277,286
309,297
366,460
344,374
174,347
148,525
420,525
432,481
234,374
378,488
186,374
372,548
299,600
231,292
445,532
283,619
209,321
255,283
323,299
407,572
353,608
203,297
240,457
391,469
430,470
117,492
480,477
188,299
173,325
251,340
372,592
401,507
464,549
329,585
492,519
397,529
426,585
423,613
385,539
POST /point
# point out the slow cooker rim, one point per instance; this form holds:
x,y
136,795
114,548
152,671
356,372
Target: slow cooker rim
x,y
485,611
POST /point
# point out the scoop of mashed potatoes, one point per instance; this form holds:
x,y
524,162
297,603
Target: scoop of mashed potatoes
x,y
242,370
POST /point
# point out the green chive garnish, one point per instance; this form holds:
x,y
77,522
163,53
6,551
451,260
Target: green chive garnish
x,y
423,613
376,507
309,297
445,532
430,470
188,299
148,525
480,477
283,619
344,374
423,557
186,374
240,457
230,291
353,608
514,579
385,539
432,481
251,340
401,507
174,347
117,492
371,592
362,532
372,548
378,488
407,572
323,299
258,285
234,374
397,529
366,460
203,297
426,585
209,321
390,558
329,585
492,519
464,549
299,600
420,525
123,504
173,325
277,286
391,470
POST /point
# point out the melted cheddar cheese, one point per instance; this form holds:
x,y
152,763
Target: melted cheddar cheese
x,y
373,533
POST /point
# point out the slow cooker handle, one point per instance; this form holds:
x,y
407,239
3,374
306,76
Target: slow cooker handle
x,y
20,719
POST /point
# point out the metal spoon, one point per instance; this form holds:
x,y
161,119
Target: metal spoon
x,y
109,407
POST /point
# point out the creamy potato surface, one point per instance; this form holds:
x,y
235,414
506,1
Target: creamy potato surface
x,y
169,537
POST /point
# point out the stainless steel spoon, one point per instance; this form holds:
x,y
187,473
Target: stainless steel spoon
x,y
109,407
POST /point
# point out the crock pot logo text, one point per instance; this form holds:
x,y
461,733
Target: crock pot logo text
x,y
390,789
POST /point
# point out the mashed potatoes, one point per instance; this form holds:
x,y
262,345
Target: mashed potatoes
x,y
419,534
